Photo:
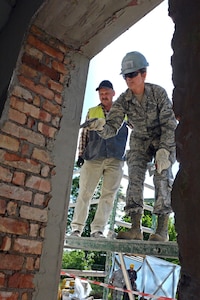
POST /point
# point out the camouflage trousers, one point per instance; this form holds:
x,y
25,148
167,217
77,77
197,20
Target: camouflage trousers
x,y
138,156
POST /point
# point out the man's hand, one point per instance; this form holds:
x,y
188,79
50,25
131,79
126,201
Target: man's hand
x,y
162,160
80,162
94,124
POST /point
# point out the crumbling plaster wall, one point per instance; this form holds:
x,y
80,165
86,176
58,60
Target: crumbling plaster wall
x,y
186,189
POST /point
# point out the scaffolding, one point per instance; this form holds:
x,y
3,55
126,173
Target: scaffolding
x,y
120,247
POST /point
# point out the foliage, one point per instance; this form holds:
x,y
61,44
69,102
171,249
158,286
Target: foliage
x,y
77,259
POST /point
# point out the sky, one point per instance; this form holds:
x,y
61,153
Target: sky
x,y
152,37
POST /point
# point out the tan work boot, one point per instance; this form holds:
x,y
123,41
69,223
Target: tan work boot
x,y
161,234
135,233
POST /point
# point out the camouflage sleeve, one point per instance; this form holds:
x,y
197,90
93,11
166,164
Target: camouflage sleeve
x,y
114,119
167,120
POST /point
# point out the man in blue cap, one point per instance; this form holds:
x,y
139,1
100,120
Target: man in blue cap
x,y
99,158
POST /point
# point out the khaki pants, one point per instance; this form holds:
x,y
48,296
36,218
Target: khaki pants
x,y
112,170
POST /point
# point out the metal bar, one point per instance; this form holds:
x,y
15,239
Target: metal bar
x,y
128,225
126,277
160,249
85,273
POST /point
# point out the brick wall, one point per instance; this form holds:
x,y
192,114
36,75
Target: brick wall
x,y
31,121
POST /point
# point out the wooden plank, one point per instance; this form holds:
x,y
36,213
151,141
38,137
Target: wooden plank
x,y
134,247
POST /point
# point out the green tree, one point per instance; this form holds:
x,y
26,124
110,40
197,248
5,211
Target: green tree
x,y
77,259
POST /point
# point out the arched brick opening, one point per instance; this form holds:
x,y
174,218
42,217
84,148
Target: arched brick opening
x,y
38,134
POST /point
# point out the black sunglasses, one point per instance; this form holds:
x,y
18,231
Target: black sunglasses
x,y
131,75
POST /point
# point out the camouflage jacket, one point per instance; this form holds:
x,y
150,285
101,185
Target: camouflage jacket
x,y
151,119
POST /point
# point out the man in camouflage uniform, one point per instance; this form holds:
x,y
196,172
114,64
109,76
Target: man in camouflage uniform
x,y
151,116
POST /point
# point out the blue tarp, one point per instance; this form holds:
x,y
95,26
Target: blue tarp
x,y
155,276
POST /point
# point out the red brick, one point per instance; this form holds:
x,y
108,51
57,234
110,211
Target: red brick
x,y
37,263
27,246
39,199
38,66
54,109
36,100
62,47
20,92
5,174
37,31
48,131
44,79
56,122
33,213
37,88
45,48
28,72
19,162
55,86
30,263
25,296
26,149
44,116
39,184
2,206
16,193
12,208
31,122
34,228
42,155
11,262
8,142
42,232
17,116
2,280
14,226
22,281
45,171
47,60
23,134
34,52
6,244
60,67
25,107
62,78
19,178
9,295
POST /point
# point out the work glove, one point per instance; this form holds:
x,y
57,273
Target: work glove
x,y
80,162
162,160
94,124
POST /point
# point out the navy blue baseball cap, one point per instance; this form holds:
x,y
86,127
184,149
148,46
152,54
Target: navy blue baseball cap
x,y
106,84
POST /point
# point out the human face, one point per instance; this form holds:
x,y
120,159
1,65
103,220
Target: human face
x,y
135,81
106,97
